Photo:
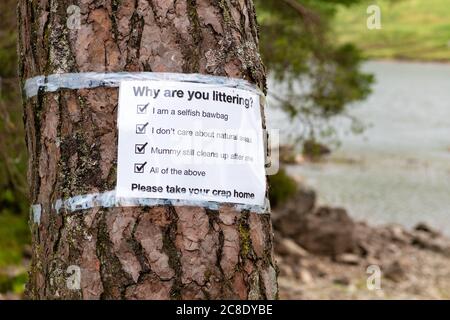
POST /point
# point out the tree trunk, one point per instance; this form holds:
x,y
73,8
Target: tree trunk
x,y
142,252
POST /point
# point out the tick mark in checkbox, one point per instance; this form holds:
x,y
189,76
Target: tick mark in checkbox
x,y
140,148
141,128
142,108
139,167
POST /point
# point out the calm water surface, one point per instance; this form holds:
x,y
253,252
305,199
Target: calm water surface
x,y
398,171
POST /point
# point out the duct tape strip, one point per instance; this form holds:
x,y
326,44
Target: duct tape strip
x,y
86,80
36,212
109,200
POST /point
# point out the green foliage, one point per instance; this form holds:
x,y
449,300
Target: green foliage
x,y
14,235
8,52
314,150
14,284
282,187
411,29
13,189
298,47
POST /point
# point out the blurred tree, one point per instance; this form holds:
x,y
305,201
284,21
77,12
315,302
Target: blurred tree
x,y
14,232
13,188
319,79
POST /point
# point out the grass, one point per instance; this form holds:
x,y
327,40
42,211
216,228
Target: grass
x,y
14,284
14,235
411,29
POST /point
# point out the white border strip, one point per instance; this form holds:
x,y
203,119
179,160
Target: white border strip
x,y
109,200
86,80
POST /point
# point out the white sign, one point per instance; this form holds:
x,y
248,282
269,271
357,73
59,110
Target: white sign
x,y
190,141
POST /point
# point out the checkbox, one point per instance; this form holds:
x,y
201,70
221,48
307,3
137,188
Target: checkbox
x,y
140,148
142,108
139,167
141,128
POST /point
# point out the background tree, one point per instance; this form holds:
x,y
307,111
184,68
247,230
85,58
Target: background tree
x,y
318,77
14,233
133,253
11,155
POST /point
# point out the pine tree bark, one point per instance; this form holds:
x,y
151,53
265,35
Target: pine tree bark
x,y
144,252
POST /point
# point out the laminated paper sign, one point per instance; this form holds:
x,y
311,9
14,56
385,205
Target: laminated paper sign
x,y
190,141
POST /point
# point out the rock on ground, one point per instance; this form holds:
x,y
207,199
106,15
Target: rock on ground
x,y
324,254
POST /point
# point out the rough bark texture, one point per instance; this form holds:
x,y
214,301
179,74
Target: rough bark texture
x,y
146,252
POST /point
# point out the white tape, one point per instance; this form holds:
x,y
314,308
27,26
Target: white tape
x,y
109,200
36,212
86,80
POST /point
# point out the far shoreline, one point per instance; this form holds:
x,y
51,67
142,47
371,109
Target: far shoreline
x,y
399,60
